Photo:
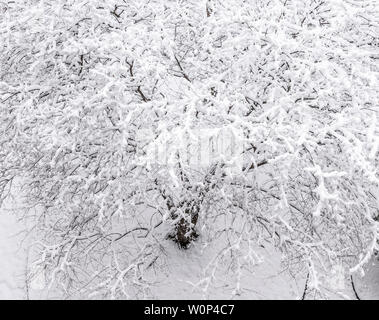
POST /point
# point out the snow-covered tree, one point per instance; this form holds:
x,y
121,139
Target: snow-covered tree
x,y
234,124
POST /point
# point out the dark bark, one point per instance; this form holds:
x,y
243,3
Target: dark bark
x,y
185,229
186,213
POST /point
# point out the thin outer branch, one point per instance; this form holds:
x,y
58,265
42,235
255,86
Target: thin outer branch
x,y
182,70
305,288
355,291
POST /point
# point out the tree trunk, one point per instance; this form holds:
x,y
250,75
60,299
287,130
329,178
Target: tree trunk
x,y
185,231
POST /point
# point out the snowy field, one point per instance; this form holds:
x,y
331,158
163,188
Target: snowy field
x,y
267,281
13,259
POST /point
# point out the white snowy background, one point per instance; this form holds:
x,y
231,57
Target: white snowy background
x,y
267,280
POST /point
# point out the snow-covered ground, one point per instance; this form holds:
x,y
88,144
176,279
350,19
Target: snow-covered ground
x,y
177,277
178,282
13,258
368,286
185,268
